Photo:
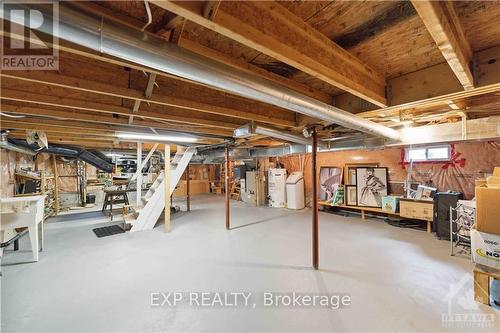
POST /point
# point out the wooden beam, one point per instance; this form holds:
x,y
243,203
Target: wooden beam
x,y
429,88
249,68
433,101
171,21
273,30
89,105
97,119
195,103
58,126
444,26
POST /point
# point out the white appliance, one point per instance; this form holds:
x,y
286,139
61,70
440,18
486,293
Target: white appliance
x,y
295,191
276,181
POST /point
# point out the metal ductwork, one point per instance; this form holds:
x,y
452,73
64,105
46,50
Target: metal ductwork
x,y
5,144
135,46
251,129
98,160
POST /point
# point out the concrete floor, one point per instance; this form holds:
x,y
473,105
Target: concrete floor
x,y
398,279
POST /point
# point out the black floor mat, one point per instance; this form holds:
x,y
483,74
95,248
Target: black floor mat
x,y
108,231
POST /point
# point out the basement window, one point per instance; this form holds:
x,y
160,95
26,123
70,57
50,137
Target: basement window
x,y
441,153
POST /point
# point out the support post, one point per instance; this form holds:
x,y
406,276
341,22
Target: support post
x,y
56,185
168,223
315,231
139,175
226,185
188,192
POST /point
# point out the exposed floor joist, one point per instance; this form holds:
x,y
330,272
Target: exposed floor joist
x,y
443,24
99,119
290,40
89,105
195,103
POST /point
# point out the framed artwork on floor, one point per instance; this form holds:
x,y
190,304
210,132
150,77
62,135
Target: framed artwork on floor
x,y
329,180
350,195
350,171
371,185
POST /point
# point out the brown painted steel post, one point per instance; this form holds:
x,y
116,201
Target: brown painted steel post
x,y
226,186
315,231
188,201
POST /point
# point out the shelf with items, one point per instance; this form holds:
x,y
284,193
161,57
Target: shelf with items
x,y
30,183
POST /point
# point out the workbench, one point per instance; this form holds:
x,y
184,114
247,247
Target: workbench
x,y
114,197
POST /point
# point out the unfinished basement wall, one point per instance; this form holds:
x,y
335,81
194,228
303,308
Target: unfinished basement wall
x,y
10,160
200,177
471,161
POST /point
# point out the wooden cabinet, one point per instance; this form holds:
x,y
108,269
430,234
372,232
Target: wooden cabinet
x,y
416,209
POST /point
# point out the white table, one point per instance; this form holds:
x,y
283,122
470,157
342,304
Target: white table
x,y
31,217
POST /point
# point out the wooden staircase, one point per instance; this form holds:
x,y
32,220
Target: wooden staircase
x,y
153,203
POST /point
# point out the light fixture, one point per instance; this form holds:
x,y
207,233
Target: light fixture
x,y
154,137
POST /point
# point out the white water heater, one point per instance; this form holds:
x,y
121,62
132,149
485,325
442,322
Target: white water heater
x,y
276,182
295,191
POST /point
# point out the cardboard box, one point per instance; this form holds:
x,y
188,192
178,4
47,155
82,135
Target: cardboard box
x,y
390,204
493,181
496,172
485,248
479,182
488,209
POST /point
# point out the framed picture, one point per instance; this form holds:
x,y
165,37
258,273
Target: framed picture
x,y
329,180
351,195
350,171
371,185
425,193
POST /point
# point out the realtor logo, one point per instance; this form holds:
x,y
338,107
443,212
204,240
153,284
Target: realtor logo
x,y
28,29
463,311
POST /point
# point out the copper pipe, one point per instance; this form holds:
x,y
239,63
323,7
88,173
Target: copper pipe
x,y
226,185
188,199
315,231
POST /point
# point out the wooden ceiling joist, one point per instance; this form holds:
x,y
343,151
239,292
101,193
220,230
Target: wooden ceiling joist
x,y
195,103
94,119
250,68
88,105
444,26
273,30
74,131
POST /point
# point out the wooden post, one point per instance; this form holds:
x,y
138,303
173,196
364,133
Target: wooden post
x,y
168,223
138,202
226,185
188,199
56,186
315,231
